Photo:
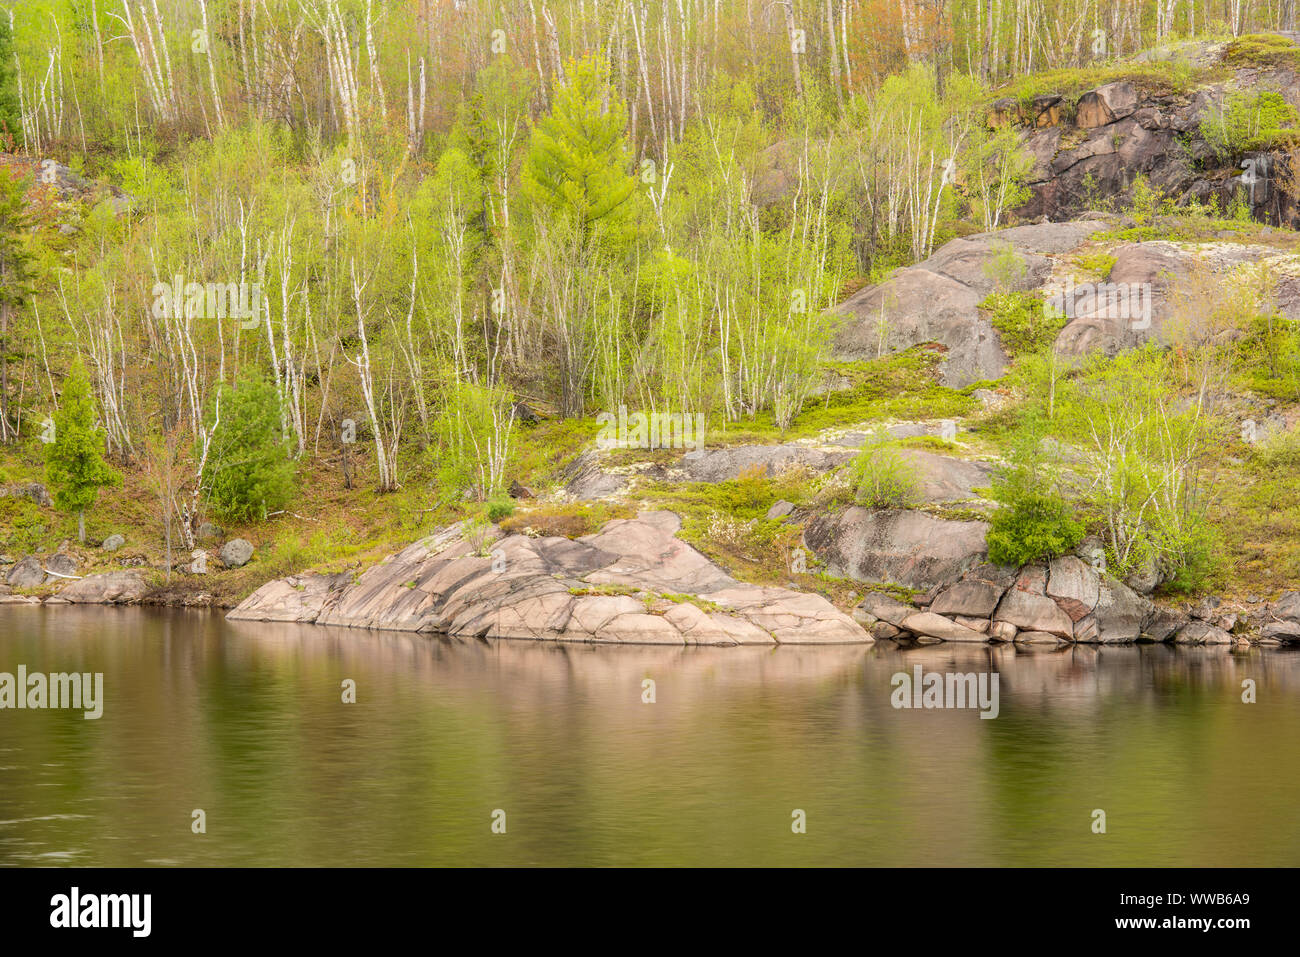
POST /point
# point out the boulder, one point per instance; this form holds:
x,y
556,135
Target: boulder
x,y
1032,579
1073,585
585,480
35,491
27,573
208,532
1287,630
110,588
1163,625
1002,631
113,543
1287,606
918,306
1144,578
1106,104
937,300
974,599
236,553
896,546
877,606
930,625
779,510
1034,613
1085,630
1130,307
1201,633
1121,614
942,478
60,567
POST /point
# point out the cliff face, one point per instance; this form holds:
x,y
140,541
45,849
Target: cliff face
x,y
1089,147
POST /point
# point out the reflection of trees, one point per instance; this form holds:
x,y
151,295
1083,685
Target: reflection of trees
x,y
245,721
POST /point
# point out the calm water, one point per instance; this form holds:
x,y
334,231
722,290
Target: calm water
x,y
246,722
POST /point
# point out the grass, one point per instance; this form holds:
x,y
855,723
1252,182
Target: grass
x,y
1262,50
564,521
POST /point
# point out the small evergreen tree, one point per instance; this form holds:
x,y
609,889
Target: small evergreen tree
x,y
578,157
15,272
74,461
248,472
10,123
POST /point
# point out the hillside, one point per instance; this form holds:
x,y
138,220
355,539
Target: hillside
x,y
942,330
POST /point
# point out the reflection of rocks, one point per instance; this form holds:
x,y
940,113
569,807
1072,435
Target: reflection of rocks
x,y
633,582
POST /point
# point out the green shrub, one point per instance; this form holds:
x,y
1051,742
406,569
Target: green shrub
x,y
1025,325
881,477
1248,121
1033,522
1032,526
499,508
248,472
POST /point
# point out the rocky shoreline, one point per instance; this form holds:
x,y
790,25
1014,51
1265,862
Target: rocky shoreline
x,y
636,582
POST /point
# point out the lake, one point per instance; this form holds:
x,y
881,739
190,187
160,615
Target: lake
x,y
556,745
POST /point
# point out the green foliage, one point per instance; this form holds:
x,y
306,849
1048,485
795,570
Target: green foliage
x,y
1270,357
1143,472
882,477
472,442
1020,318
10,122
1148,201
499,508
1096,261
1031,527
1249,120
248,472
578,159
1033,522
74,461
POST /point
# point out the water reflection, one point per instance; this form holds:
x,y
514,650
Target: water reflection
x,y
246,722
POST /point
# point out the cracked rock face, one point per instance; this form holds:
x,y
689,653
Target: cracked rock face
x,y
896,546
632,582
937,300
